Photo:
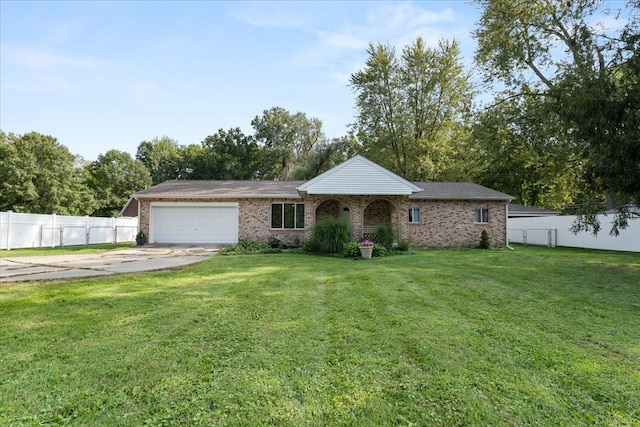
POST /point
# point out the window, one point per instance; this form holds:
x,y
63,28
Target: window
x,y
287,215
482,215
415,216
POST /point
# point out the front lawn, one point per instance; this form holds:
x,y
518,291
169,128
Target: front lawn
x,y
441,337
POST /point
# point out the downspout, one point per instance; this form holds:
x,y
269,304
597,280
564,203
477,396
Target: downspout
x,y
506,226
136,199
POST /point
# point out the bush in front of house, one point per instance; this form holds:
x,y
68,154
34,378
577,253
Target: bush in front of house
x,y
379,250
404,245
385,234
329,237
274,243
485,243
246,246
351,250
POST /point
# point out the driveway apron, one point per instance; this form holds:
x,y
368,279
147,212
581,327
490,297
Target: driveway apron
x,y
143,258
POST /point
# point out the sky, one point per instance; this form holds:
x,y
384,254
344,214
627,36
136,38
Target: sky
x,y
109,75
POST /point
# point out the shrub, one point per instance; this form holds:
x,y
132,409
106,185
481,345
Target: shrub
x,y
404,245
329,236
274,243
311,246
351,250
485,243
245,246
379,250
385,235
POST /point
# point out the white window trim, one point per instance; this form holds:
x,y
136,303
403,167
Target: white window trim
x,y
412,217
475,216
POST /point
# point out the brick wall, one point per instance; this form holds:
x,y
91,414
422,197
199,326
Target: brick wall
x,y
254,222
452,223
444,223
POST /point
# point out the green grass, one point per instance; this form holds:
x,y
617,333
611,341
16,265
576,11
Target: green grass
x,y
65,250
443,337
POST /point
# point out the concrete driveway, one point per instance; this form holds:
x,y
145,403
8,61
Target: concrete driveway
x,y
139,258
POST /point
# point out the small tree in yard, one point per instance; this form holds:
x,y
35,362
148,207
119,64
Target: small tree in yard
x,y
485,243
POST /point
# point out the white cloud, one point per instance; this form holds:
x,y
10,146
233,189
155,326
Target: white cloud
x,y
38,58
397,24
403,16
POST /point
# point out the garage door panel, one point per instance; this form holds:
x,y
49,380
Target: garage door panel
x,y
188,224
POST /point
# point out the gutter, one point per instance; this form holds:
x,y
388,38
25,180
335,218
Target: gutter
x,y
219,196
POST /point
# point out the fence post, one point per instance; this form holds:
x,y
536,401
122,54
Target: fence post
x,y
53,230
9,220
87,231
62,236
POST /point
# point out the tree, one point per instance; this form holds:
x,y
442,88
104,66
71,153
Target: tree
x,y
412,111
163,158
39,175
286,140
324,156
114,176
227,155
525,152
585,73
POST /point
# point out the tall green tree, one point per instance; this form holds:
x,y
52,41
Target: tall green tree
x,y
40,175
524,151
325,156
586,74
413,110
286,140
163,158
113,177
227,155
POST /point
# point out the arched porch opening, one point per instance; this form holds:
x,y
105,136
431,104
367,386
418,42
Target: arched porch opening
x,y
377,212
334,208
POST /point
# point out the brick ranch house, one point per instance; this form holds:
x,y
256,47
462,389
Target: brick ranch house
x,y
359,191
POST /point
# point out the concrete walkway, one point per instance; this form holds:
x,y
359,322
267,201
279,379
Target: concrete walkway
x,y
139,258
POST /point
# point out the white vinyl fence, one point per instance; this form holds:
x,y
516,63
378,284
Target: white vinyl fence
x,y
555,231
20,230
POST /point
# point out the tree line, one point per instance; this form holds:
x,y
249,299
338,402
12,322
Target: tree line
x,y
563,130
40,175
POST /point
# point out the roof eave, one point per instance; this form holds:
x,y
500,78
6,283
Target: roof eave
x,y
459,198
218,196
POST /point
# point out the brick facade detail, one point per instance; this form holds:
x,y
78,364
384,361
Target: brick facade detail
x,y
452,223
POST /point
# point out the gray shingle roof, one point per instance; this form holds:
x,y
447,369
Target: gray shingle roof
x,y
193,189
186,189
457,191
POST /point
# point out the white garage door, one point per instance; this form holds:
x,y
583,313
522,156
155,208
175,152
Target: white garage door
x,y
194,223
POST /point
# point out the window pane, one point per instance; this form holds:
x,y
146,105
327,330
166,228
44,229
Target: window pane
x,y
289,215
414,215
300,215
482,215
276,215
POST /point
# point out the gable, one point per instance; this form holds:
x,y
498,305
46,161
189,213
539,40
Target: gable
x,y
359,176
